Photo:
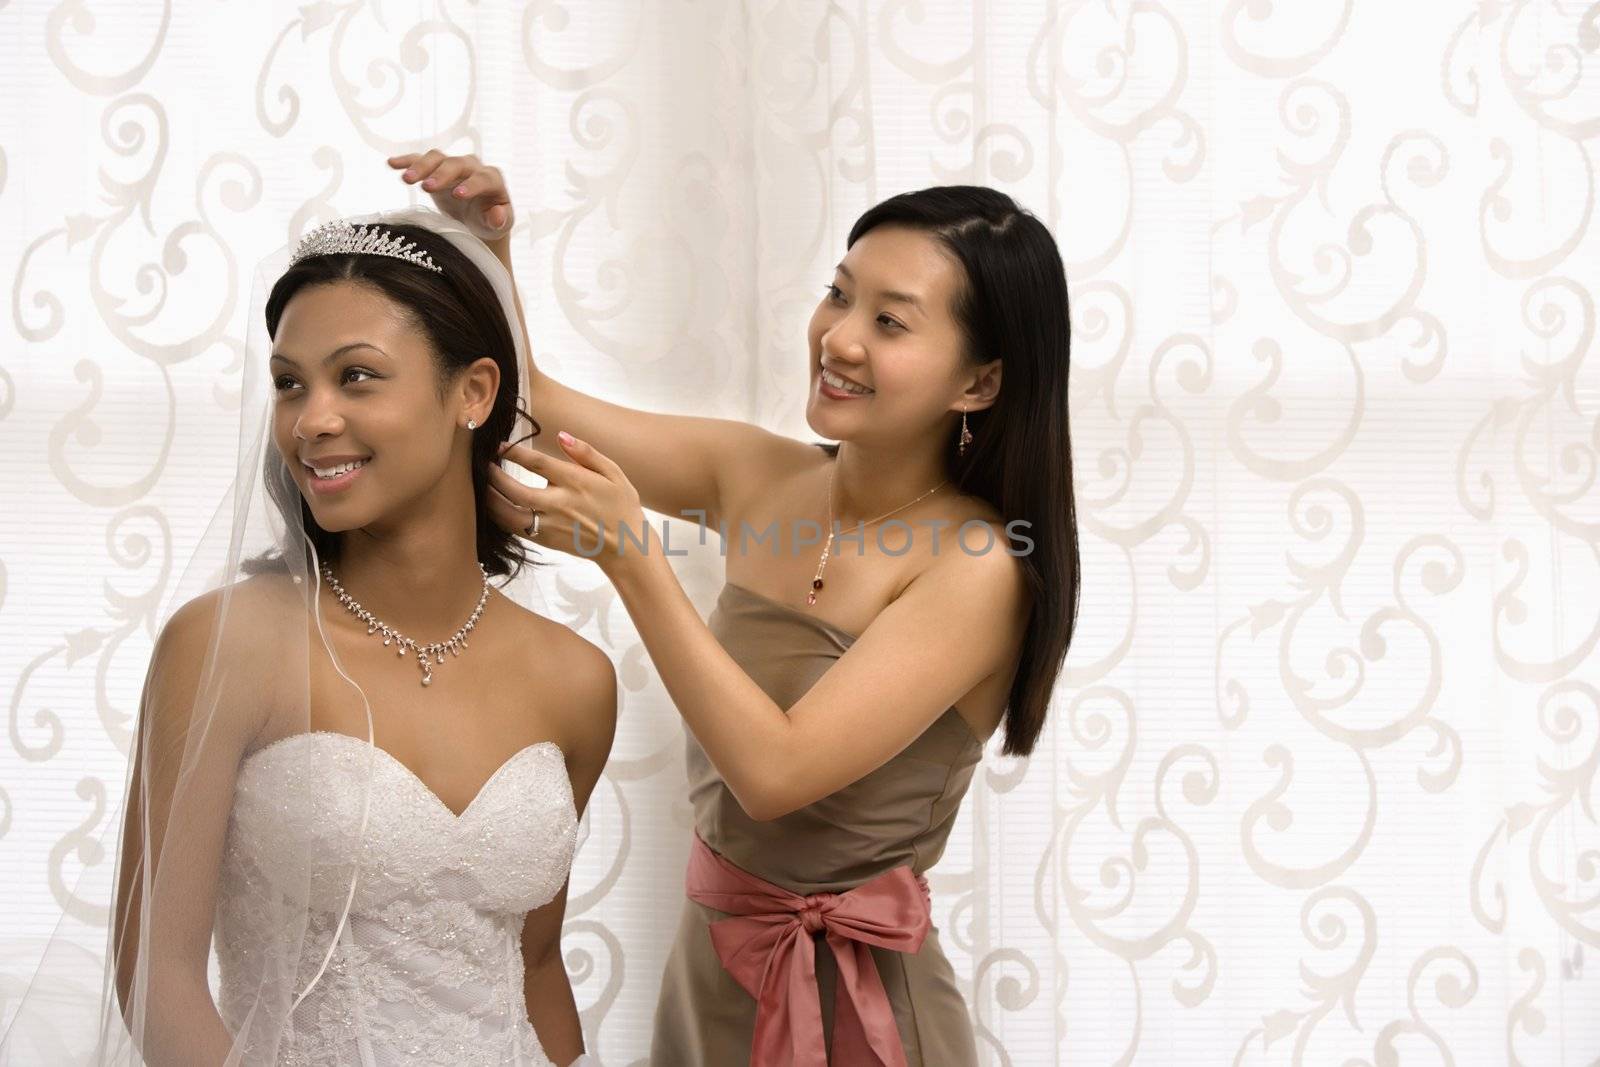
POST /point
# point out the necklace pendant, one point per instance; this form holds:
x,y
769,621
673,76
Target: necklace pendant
x,y
428,656
811,598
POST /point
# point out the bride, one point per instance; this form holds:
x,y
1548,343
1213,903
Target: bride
x,y
351,772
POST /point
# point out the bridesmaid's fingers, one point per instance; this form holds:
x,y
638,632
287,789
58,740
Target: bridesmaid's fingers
x,y
518,523
592,458
549,498
522,455
523,495
553,469
507,486
421,168
447,171
485,183
516,518
507,515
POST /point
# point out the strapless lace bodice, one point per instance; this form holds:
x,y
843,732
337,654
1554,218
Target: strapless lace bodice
x,y
428,968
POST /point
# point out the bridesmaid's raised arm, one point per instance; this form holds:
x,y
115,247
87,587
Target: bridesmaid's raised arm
x,y
679,464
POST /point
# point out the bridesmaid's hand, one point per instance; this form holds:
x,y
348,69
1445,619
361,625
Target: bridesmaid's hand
x,y
469,191
583,510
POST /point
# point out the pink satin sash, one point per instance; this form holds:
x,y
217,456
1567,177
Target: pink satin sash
x,y
767,947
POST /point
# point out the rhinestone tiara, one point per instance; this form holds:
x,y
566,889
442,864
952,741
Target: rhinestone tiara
x,y
341,237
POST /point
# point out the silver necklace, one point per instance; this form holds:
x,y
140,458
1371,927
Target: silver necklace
x,y
822,562
428,656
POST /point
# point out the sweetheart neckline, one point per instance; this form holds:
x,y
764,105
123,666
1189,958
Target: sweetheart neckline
x,y
411,774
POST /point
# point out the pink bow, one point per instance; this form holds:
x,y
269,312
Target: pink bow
x,y
767,947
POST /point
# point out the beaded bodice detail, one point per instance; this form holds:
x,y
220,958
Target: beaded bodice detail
x,y
428,968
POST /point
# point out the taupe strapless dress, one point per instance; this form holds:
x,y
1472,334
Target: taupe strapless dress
x,y
900,814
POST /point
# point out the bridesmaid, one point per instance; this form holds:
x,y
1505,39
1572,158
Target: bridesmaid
x,y
890,602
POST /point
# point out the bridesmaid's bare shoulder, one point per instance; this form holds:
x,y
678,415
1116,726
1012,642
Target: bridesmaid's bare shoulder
x,y
764,470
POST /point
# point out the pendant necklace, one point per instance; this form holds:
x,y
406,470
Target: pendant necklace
x,y
822,563
428,656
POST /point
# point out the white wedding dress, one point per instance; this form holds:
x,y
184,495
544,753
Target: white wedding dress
x,y
428,968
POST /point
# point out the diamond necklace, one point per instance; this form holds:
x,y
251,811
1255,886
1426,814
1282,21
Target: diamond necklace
x,y
391,636
822,563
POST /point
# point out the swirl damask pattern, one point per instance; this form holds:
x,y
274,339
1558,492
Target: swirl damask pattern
x,y
1321,781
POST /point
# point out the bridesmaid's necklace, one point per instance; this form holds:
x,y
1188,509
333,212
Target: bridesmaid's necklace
x,y
822,563
391,636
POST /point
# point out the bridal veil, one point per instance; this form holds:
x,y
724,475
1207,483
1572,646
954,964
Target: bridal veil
x,y
240,627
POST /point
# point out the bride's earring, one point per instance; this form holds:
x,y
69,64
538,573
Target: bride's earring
x,y
471,425
966,436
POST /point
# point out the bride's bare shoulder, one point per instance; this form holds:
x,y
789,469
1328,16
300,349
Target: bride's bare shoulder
x,y
226,644
241,608
565,665
572,688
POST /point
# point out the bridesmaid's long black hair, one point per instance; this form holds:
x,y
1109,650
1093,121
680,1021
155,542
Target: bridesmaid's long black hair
x,y
1012,306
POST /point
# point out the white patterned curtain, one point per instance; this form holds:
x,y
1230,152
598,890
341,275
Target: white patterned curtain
x,y
1320,785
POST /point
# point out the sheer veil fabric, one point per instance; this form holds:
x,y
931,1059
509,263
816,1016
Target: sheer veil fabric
x,y
239,636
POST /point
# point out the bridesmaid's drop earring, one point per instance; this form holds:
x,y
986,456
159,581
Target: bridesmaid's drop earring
x,y
966,436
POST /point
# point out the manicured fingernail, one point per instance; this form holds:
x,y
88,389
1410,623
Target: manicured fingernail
x,y
460,190
430,183
567,439
409,174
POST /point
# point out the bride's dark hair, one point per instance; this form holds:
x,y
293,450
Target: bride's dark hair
x,y
458,310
